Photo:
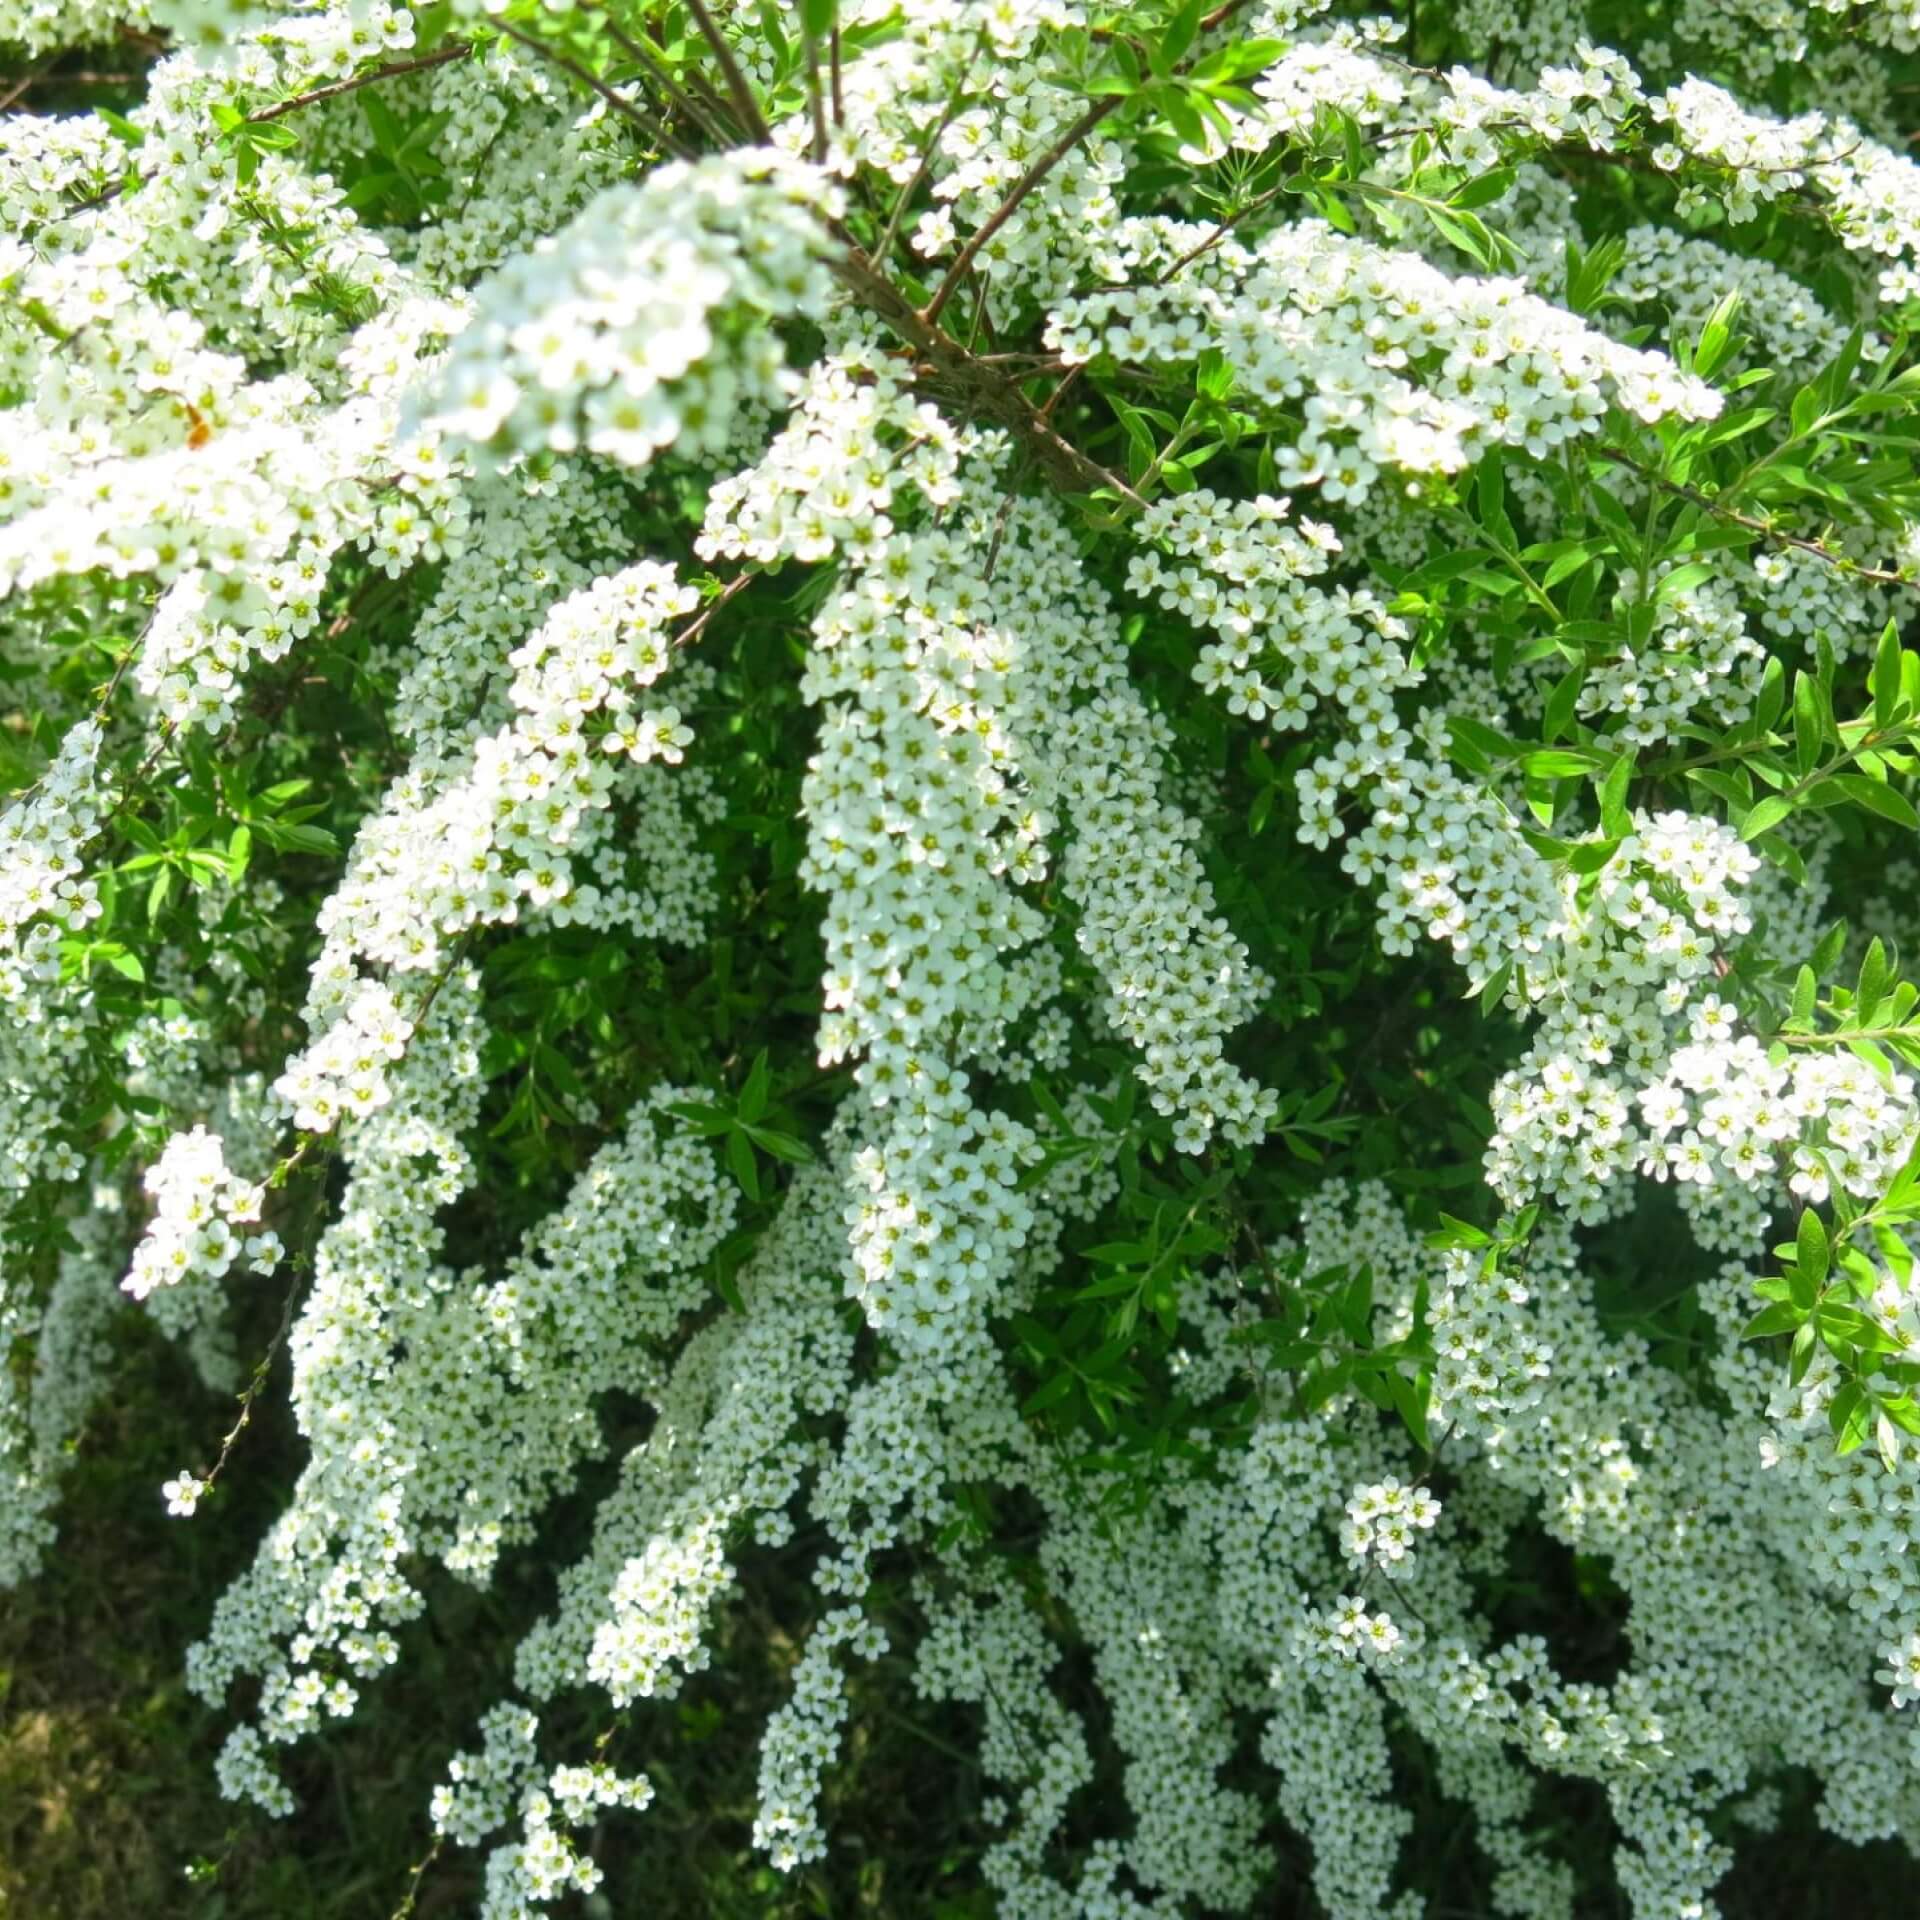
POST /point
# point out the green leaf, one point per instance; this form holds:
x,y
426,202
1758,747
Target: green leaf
x,y
1903,1412
1049,1394
1782,1317
782,1146
1615,821
1850,1415
1874,975
1764,816
740,1159
1109,1288
1591,855
1811,1253
1801,1355
1466,231
297,839
1179,35
1716,340
1806,987
1483,190
1808,731
1559,763
753,1096
1877,797
1459,1233
1411,1400
1681,580
1589,272
388,134
1843,1327
1885,679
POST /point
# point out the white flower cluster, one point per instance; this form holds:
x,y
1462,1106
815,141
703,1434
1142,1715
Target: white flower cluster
x,y
1283,646
344,1072
41,836
485,1790
223,28
1688,276
1383,1523
648,321
48,1388
1698,664
445,1414
1490,1361
1390,363
239,530
199,1211
497,840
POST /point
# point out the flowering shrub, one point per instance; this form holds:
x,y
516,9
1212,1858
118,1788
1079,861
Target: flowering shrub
x,y
1099,815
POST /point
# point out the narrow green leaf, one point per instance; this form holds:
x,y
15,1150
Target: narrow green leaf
x,y
740,1159
1782,1317
1811,1252
1885,680
1764,816
1850,1415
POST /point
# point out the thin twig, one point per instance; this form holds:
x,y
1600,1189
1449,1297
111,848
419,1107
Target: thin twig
x,y
1879,576
950,368
263,1367
1011,204
645,121
697,626
85,77
645,55
1000,520
884,248
745,105
815,106
26,83
404,1910
1257,205
438,58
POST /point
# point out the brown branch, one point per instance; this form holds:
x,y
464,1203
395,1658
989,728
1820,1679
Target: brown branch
x,y
952,108
639,116
745,105
949,370
1878,576
1258,204
438,58
262,1371
1011,204
698,624
43,76
26,82
639,51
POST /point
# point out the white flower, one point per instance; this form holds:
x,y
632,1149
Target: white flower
x,y
183,1493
